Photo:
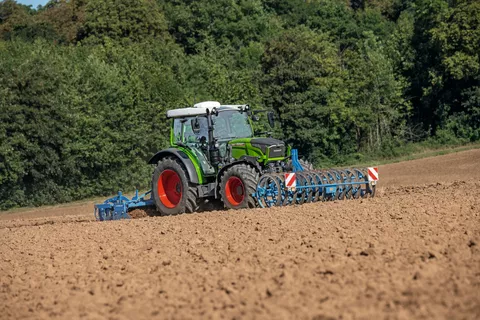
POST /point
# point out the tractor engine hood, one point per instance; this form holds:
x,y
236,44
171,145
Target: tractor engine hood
x,y
275,147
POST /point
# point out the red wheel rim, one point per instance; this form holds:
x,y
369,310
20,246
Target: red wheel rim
x,y
169,187
235,191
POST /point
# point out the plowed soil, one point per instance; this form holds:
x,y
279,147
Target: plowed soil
x,y
413,252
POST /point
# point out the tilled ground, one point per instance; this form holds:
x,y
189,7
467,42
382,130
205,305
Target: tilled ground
x,y
412,252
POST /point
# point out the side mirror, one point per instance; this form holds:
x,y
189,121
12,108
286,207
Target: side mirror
x,y
214,111
271,119
195,126
255,118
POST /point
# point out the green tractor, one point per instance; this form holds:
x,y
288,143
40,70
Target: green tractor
x,y
213,154
214,157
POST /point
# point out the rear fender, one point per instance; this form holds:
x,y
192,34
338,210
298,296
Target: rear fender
x,y
192,174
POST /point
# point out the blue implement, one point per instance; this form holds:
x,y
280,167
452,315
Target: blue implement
x,y
117,207
301,186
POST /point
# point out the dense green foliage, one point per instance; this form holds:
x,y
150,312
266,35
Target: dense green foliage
x,y
84,84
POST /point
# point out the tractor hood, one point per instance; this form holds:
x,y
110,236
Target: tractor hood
x,y
266,148
276,147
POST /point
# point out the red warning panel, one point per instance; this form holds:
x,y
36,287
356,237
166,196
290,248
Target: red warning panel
x,y
290,180
372,174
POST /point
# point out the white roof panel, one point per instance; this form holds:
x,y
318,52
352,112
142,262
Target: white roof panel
x,y
186,112
200,109
207,104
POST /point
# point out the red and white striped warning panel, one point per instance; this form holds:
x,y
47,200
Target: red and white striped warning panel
x,y
372,174
290,180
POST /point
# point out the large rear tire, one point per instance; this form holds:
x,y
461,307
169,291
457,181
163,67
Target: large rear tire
x,y
171,189
237,185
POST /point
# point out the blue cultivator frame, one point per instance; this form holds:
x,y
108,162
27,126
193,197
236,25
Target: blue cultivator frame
x,y
297,166
117,208
313,186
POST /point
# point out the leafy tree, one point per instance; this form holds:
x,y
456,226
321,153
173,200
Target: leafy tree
x,y
304,83
457,34
376,101
122,20
34,125
65,17
14,18
446,61
84,124
198,25
58,20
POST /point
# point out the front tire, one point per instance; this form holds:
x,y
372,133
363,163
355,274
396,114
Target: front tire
x,y
237,185
171,189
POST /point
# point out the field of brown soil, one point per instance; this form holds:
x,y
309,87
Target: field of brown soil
x,y
413,252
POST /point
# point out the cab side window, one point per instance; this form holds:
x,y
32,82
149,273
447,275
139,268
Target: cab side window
x,y
183,132
177,130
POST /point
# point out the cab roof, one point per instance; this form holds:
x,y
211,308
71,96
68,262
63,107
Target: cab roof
x,y
201,109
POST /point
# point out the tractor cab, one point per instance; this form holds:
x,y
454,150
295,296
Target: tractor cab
x,y
219,134
228,122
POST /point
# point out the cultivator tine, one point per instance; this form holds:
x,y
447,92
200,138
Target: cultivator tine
x,y
350,179
319,189
346,184
286,197
302,189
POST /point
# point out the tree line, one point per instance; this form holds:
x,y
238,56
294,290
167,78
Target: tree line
x,y
85,84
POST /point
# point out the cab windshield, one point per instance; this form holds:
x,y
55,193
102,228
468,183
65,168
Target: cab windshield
x,y
228,125
231,124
